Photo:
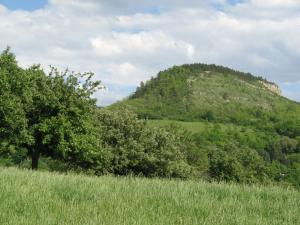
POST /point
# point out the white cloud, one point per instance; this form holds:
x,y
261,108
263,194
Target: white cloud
x,y
124,43
107,96
275,3
106,47
128,74
150,43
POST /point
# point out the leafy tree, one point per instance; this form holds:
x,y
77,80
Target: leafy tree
x,y
14,89
231,163
49,114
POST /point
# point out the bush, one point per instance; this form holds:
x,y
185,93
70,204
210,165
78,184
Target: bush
x,y
231,163
140,149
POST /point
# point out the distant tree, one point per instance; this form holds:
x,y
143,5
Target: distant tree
x,y
231,163
225,96
142,85
208,115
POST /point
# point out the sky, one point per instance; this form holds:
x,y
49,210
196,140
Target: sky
x,y
126,42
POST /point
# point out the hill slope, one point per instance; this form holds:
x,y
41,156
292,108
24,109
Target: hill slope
x,y
225,109
39,198
207,92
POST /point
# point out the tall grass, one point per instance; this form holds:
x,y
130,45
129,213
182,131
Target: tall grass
x,y
40,198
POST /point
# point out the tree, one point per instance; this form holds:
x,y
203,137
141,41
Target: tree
x,y
13,99
49,114
231,163
138,148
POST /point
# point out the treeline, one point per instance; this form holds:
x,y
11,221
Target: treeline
x,y
200,67
54,116
248,154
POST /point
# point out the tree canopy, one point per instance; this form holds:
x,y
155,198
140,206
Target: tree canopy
x,y
47,114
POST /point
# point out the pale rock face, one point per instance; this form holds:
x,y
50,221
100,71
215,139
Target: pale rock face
x,y
272,87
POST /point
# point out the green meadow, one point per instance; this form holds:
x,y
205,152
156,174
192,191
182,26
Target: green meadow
x,y
195,127
42,198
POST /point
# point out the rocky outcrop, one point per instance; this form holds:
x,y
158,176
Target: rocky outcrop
x,y
272,87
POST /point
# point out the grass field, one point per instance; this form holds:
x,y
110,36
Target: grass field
x,y
40,198
196,127
193,127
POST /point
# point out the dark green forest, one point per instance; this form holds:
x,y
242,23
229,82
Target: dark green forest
x,y
245,131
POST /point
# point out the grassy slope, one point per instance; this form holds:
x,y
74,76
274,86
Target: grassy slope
x,y
195,127
39,198
208,133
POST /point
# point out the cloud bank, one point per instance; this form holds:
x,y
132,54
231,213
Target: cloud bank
x,y
125,42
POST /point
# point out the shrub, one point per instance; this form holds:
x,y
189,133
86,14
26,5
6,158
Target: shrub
x,y
140,149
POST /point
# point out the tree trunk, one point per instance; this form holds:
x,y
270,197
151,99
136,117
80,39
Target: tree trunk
x,y
35,159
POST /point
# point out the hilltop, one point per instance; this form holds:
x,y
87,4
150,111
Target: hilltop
x,y
199,92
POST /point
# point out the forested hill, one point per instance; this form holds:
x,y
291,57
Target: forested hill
x,y
200,92
230,114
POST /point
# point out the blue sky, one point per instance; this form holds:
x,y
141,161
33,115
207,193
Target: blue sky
x,y
31,5
233,2
125,42
24,4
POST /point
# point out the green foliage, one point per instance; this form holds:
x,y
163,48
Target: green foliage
x,y
224,107
52,115
13,98
227,125
140,149
231,163
55,117
275,156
